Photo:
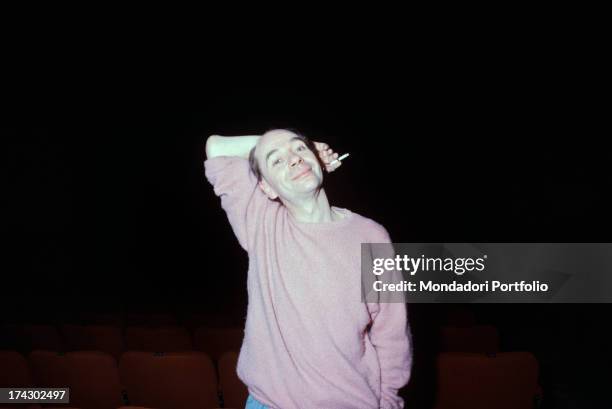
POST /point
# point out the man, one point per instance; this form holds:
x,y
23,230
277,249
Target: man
x,y
310,342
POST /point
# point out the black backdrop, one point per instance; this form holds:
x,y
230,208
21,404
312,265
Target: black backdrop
x,y
106,203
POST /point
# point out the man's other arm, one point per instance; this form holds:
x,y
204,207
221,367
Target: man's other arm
x,y
390,334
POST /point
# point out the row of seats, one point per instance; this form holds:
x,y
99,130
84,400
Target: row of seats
x,y
190,320
456,316
474,338
507,380
114,341
472,373
214,341
185,380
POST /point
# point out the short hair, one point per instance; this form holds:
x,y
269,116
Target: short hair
x,y
254,165
309,144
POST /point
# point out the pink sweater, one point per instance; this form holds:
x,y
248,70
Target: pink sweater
x,y
307,343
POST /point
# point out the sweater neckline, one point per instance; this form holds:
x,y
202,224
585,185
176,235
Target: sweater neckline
x,y
348,215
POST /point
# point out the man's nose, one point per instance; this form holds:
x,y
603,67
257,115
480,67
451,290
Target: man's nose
x,y
295,160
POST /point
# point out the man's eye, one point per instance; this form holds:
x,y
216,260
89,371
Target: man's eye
x,y
276,162
301,148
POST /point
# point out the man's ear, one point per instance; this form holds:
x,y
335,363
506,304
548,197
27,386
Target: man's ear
x,y
267,189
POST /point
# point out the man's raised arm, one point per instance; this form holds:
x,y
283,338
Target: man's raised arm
x,y
217,145
227,170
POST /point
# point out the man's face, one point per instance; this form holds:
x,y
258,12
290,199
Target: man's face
x,y
289,168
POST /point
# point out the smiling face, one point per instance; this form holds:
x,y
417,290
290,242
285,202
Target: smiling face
x,y
290,169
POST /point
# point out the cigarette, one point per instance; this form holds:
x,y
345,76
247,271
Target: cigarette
x,y
339,159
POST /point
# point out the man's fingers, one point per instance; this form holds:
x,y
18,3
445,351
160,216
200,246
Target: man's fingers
x,y
321,146
325,156
331,157
331,168
333,164
328,156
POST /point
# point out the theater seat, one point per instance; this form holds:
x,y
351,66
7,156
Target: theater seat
x,y
216,341
114,319
104,338
235,393
14,370
150,320
92,376
477,339
49,369
476,381
460,317
184,380
163,339
107,338
195,320
26,338
75,337
42,337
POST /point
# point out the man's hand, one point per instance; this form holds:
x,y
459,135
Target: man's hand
x,y
327,155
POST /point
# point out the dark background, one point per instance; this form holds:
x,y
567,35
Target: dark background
x,y
106,205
